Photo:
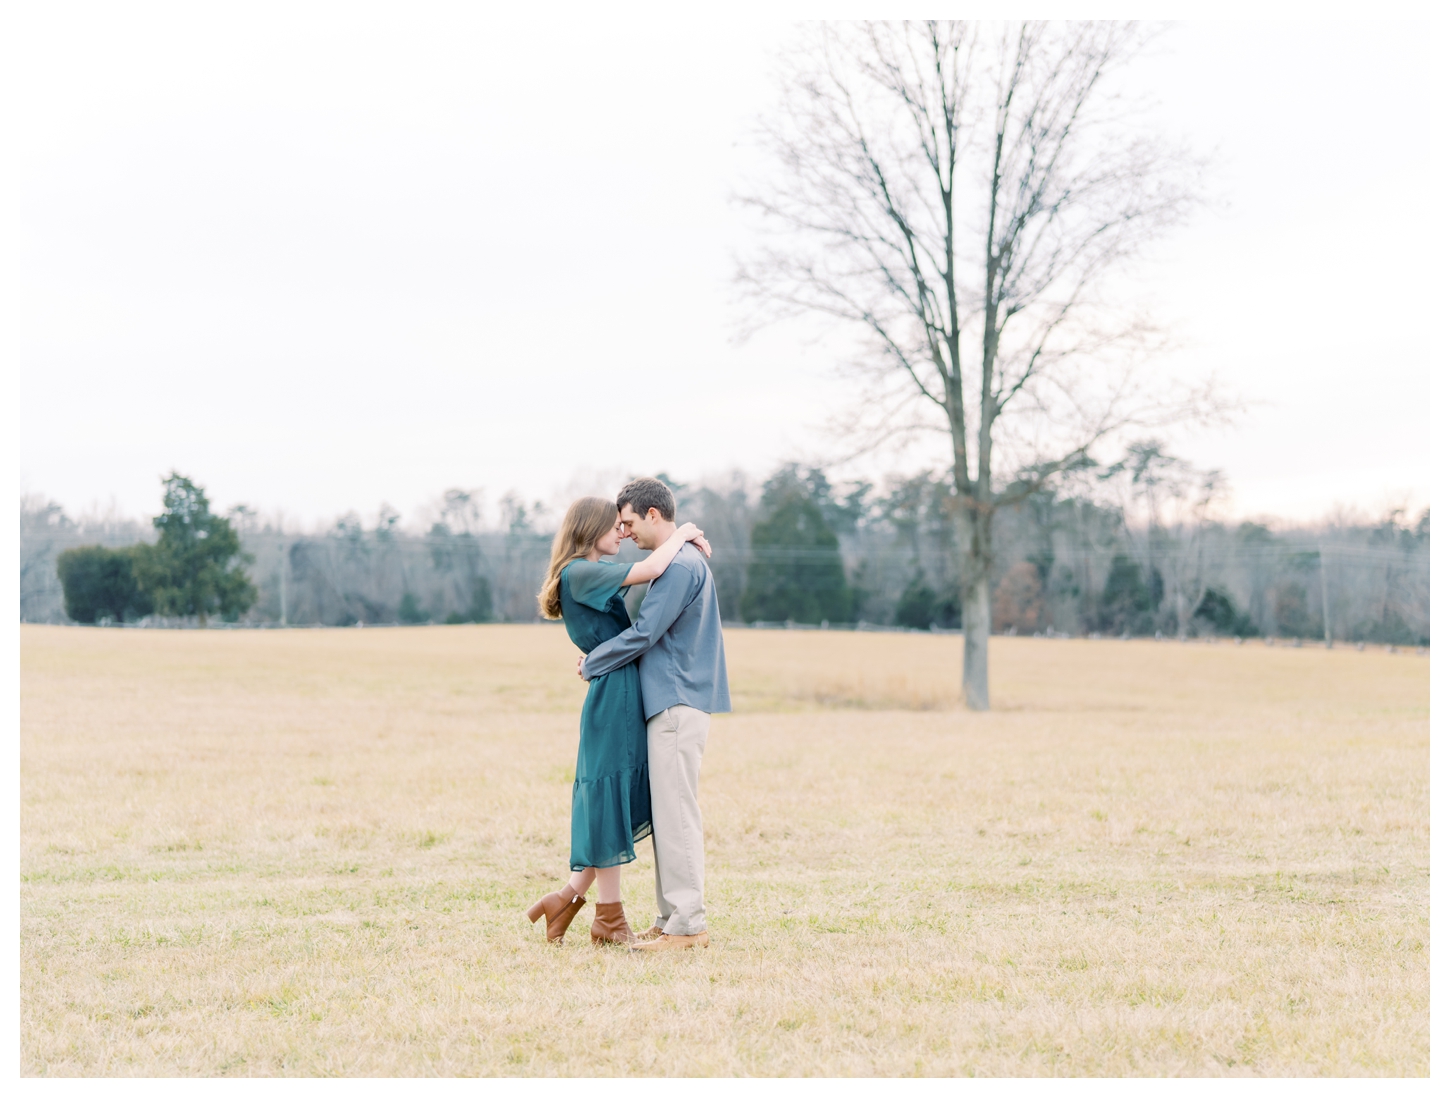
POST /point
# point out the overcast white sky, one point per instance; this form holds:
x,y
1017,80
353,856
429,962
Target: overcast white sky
x,y
319,262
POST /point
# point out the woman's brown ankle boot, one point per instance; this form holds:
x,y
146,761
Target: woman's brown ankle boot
x,y
559,909
610,925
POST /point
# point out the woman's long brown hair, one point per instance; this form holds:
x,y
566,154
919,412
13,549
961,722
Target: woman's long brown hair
x,y
586,521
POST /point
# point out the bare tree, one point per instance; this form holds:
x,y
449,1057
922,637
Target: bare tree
x,y
964,195
1167,507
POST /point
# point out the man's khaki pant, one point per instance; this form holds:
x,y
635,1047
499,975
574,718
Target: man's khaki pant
x,y
676,746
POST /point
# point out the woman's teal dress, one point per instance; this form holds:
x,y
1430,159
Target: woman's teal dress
x,y
611,778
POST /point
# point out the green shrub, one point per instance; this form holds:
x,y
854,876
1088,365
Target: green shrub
x,y
100,584
1218,611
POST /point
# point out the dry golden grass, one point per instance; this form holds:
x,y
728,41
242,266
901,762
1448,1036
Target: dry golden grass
x,y
308,852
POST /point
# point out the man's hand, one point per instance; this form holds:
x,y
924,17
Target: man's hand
x,y
580,668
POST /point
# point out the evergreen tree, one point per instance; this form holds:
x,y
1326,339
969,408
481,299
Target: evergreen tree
x,y
1127,602
197,567
917,607
409,610
795,569
481,608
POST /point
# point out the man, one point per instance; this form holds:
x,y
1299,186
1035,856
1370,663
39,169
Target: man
x,y
681,653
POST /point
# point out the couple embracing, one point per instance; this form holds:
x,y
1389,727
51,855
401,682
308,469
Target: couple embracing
x,y
653,683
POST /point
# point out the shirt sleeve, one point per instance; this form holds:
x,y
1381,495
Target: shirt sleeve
x,y
595,582
668,596
633,597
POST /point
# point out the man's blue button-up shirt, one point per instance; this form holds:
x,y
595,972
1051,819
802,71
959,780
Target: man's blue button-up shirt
x,y
677,640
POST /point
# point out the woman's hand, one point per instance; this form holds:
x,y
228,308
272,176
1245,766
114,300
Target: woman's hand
x,y
695,536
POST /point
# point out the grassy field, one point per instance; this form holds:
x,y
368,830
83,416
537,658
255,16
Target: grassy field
x,y
308,852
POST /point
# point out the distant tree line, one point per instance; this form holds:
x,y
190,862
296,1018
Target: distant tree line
x,y
1130,549
190,565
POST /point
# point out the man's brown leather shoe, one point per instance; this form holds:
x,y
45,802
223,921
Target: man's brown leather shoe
x,y
673,941
649,935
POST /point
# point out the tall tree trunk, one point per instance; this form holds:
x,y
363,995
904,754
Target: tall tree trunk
x,y
974,535
976,628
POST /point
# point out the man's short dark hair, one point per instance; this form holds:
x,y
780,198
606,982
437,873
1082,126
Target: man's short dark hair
x,y
642,493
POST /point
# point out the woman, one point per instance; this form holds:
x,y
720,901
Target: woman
x,y
611,777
